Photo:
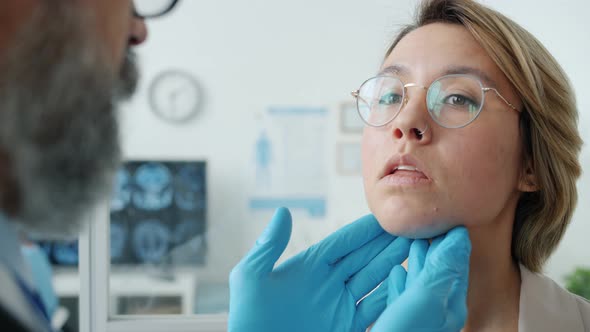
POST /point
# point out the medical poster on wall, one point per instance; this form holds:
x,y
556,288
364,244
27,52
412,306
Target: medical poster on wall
x,y
290,159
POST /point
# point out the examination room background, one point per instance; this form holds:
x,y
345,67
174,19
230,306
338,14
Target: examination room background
x,y
252,57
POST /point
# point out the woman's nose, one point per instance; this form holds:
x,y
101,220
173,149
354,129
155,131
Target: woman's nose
x,y
413,121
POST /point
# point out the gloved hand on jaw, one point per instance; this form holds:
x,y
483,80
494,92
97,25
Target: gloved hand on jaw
x,y
318,289
432,295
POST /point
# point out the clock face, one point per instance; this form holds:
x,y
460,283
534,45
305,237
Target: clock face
x,y
175,96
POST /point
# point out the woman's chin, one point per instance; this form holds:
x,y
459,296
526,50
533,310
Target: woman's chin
x,y
416,229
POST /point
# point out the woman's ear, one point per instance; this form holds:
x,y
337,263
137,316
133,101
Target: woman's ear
x,y
528,179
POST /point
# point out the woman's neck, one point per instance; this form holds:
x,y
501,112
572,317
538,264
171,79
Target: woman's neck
x,y
494,280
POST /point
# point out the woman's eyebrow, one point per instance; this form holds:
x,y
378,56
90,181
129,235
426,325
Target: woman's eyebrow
x,y
465,70
394,69
401,70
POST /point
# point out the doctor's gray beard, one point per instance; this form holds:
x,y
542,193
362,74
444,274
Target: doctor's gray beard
x,y
58,123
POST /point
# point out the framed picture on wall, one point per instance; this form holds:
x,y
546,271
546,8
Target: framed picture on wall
x,y
348,158
350,121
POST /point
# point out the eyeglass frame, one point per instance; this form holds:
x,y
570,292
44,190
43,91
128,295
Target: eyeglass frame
x,y
405,98
164,12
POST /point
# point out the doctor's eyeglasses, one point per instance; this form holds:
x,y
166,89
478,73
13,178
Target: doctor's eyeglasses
x,y
152,8
453,101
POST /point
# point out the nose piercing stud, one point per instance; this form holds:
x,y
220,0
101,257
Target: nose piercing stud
x,y
420,133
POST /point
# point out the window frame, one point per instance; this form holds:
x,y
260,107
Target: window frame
x,y
94,269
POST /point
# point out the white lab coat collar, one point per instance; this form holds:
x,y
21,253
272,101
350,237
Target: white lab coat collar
x,y
546,307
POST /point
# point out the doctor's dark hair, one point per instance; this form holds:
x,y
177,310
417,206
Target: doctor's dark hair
x,y
548,121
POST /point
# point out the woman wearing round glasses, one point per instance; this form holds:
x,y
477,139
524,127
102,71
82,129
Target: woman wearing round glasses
x,y
472,122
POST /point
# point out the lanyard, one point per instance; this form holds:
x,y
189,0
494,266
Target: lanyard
x,y
35,300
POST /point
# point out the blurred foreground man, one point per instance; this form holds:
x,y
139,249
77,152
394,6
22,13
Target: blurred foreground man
x,y
64,65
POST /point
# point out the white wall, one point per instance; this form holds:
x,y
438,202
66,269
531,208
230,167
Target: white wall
x,y
253,54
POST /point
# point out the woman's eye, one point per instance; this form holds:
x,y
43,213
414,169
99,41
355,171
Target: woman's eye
x,y
460,101
390,98
457,100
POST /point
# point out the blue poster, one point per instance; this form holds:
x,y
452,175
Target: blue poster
x,y
290,161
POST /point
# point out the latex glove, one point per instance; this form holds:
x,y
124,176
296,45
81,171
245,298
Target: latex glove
x,y
432,296
318,289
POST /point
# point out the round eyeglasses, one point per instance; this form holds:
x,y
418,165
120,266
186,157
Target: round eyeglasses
x,y
453,101
152,8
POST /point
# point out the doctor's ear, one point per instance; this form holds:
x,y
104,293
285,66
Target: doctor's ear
x,y
528,179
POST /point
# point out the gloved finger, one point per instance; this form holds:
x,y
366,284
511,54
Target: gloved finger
x,y
271,244
453,252
379,267
396,283
360,258
416,260
434,244
457,307
458,297
347,239
448,263
369,309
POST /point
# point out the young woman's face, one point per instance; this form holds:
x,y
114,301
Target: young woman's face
x,y
467,176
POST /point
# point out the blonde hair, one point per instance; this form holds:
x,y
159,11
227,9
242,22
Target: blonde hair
x,y
548,121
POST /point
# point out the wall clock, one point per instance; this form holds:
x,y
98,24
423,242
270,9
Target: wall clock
x,y
175,96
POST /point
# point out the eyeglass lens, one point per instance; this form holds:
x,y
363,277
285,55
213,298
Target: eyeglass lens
x,y
153,8
453,101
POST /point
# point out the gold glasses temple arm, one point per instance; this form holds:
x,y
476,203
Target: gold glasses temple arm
x,y
501,97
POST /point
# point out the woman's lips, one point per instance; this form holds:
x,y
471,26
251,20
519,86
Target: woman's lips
x,y
400,163
405,178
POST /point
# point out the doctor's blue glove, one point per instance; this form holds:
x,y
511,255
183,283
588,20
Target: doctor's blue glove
x,y
432,295
319,288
